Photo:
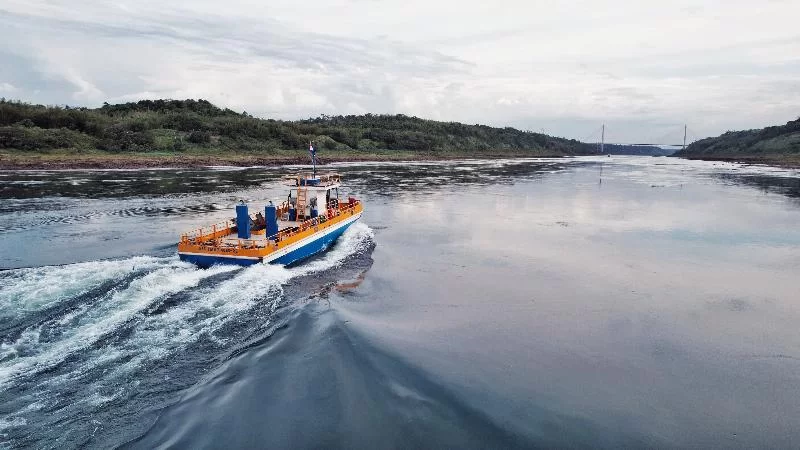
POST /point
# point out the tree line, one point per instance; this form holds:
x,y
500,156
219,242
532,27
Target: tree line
x,y
180,125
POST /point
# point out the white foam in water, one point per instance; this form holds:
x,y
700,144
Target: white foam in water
x,y
115,309
230,298
97,399
354,240
264,281
10,422
25,344
207,310
28,290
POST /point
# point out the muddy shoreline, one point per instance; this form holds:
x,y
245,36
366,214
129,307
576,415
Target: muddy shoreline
x,y
776,162
110,162
69,162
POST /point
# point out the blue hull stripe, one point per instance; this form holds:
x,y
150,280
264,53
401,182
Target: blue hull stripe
x,y
312,248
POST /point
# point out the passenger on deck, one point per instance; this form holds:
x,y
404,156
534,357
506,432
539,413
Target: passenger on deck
x,y
260,223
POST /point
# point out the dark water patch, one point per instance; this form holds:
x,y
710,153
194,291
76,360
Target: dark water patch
x,y
782,184
34,223
421,178
348,377
122,183
362,397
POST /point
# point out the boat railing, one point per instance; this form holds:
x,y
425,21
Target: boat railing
x,y
327,179
211,232
341,209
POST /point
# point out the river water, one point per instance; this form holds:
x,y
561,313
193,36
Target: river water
x,y
583,303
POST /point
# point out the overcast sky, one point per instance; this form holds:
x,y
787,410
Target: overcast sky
x,y
644,68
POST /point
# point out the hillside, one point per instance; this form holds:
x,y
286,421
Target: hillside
x,y
775,145
197,127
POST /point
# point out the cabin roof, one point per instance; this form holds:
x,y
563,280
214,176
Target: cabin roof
x,y
327,180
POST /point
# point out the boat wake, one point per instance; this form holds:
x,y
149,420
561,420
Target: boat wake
x,y
92,340
101,211
321,380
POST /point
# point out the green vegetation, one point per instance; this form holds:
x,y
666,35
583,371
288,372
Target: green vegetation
x,y
197,127
641,150
774,145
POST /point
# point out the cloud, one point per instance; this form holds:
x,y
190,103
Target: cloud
x,y
643,68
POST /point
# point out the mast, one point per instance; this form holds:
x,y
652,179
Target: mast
x,y
603,138
313,157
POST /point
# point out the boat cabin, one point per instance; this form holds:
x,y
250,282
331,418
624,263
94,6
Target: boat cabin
x,y
312,199
309,197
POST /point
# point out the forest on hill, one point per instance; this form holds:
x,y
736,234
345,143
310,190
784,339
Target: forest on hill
x,y
777,144
640,150
198,125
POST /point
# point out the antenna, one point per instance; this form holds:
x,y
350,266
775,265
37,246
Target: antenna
x,y
313,153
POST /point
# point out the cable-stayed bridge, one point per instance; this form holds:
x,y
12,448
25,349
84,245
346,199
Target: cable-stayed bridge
x,y
673,139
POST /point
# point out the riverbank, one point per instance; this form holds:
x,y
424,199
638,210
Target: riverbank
x,y
775,146
785,161
10,160
70,160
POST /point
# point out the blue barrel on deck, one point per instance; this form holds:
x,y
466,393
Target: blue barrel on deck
x,y
271,215
242,221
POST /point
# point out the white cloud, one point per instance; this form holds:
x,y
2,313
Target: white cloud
x,y
7,87
644,68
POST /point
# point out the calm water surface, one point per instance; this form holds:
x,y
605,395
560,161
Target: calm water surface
x,y
584,303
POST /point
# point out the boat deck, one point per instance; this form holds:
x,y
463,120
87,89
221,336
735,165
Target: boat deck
x,y
257,238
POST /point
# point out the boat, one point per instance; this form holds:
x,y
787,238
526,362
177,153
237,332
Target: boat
x,y
307,222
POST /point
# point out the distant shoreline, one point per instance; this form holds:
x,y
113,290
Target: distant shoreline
x,y
196,133
101,161
69,161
